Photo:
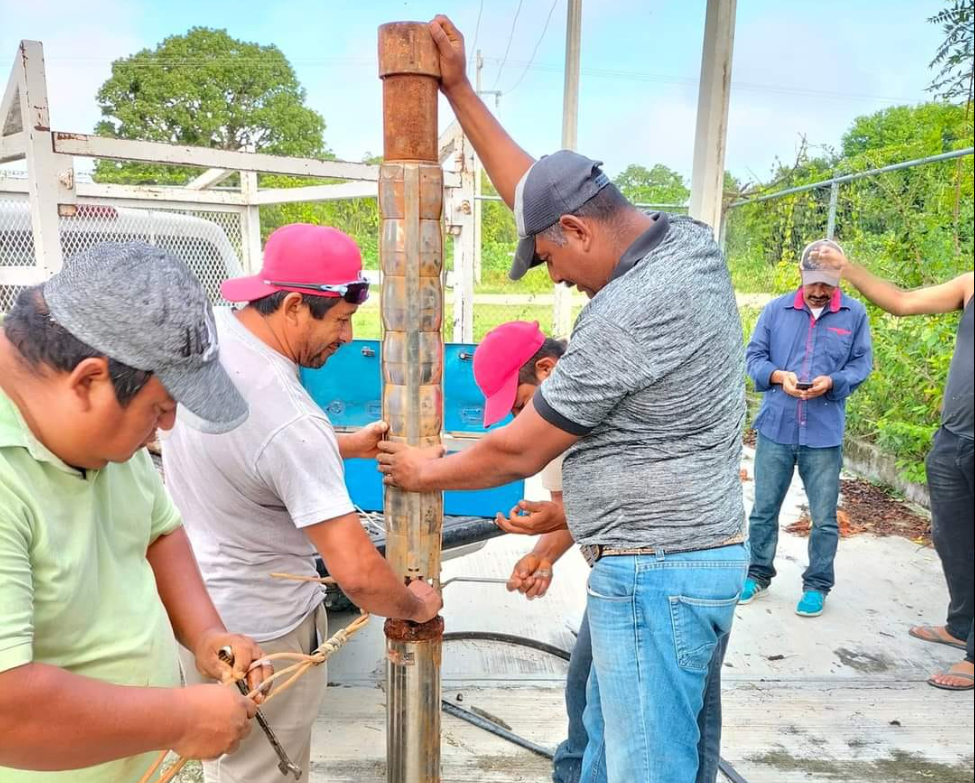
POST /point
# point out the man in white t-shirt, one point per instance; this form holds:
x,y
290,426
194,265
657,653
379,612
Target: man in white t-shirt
x,y
267,496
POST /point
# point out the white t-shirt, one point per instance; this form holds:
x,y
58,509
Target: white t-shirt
x,y
246,495
817,311
552,474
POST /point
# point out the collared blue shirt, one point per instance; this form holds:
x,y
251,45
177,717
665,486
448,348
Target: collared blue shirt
x,y
788,337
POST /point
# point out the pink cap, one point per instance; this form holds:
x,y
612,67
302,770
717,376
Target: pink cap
x,y
299,253
497,361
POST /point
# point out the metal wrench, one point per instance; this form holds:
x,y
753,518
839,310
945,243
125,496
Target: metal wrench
x,y
286,765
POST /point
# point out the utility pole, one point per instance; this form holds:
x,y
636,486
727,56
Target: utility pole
x,y
711,133
478,64
562,317
478,67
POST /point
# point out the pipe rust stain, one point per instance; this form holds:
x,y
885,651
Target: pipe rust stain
x,y
406,631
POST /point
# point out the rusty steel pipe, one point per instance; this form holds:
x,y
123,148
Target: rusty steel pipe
x,y
411,255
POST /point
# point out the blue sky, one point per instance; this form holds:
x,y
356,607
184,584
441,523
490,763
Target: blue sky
x,y
800,66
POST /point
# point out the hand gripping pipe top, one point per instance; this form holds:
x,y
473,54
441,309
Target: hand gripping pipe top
x,y
411,254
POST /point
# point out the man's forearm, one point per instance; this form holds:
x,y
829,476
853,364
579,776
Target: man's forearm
x,y
51,719
376,589
552,546
504,161
882,293
181,589
363,574
485,464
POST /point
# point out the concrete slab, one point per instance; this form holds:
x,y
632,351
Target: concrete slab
x,y
837,698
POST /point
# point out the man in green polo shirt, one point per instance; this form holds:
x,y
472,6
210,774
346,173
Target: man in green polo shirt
x,y
97,579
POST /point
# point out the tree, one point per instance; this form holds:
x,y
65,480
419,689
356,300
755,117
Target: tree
x,y
659,185
205,89
956,78
954,55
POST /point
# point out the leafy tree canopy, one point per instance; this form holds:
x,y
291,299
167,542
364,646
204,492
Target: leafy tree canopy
x,y
205,89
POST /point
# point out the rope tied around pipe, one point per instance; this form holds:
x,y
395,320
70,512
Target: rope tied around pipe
x,y
303,663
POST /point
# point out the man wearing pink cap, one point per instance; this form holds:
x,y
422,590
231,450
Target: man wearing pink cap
x,y
509,364
269,495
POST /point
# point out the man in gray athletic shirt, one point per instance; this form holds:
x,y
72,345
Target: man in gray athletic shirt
x,y
650,398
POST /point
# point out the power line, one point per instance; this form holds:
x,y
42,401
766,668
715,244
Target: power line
x,y
644,76
537,44
507,49
477,28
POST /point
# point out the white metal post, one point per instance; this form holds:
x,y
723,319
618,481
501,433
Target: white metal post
x,y
460,222
707,178
562,316
50,177
250,224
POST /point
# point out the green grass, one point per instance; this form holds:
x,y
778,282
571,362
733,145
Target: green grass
x,y
367,324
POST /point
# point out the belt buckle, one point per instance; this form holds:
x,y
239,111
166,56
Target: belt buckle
x,y
591,553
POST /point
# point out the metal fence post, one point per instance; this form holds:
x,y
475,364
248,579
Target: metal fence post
x,y
250,223
834,193
51,183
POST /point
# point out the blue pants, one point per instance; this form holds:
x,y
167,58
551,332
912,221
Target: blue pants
x,y
820,473
567,765
656,623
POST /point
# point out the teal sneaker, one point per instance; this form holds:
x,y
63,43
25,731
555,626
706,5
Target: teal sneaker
x,y
811,604
751,591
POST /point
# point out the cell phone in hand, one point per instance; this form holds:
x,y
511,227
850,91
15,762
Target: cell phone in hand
x,y
803,385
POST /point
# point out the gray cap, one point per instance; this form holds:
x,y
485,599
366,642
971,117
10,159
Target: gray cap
x,y
555,185
813,270
139,305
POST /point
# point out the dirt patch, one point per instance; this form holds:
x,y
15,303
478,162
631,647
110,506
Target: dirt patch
x,y
868,508
899,767
863,662
750,437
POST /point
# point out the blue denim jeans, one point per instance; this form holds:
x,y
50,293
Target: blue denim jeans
x,y
820,473
656,622
567,764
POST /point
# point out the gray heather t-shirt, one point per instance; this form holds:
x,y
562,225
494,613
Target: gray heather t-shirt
x,y
653,381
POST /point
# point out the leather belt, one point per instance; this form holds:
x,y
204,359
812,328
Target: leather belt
x,y
593,553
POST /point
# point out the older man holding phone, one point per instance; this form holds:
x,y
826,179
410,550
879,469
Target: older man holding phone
x,y
810,351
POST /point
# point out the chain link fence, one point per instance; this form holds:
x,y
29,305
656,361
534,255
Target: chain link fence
x,y
905,213
208,241
909,222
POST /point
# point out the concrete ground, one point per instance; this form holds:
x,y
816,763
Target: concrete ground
x,y
838,698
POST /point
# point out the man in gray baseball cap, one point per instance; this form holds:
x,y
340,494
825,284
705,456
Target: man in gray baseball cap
x,y
97,577
141,306
650,397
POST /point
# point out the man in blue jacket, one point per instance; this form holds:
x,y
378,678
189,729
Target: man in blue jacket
x,y
810,351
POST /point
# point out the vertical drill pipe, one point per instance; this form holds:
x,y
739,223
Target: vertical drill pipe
x,y
411,252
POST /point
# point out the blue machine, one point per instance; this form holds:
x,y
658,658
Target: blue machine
x,y
349,390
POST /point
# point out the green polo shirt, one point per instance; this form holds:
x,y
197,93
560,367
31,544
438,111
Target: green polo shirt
x,y
76,589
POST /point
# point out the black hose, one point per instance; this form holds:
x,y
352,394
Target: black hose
x,y
729,772
506,638
523,641
483,723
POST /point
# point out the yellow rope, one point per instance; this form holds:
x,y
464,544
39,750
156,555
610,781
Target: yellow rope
x,y
305,662
322,580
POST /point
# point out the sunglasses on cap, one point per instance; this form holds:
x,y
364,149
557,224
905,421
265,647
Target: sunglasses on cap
x,y
355,292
